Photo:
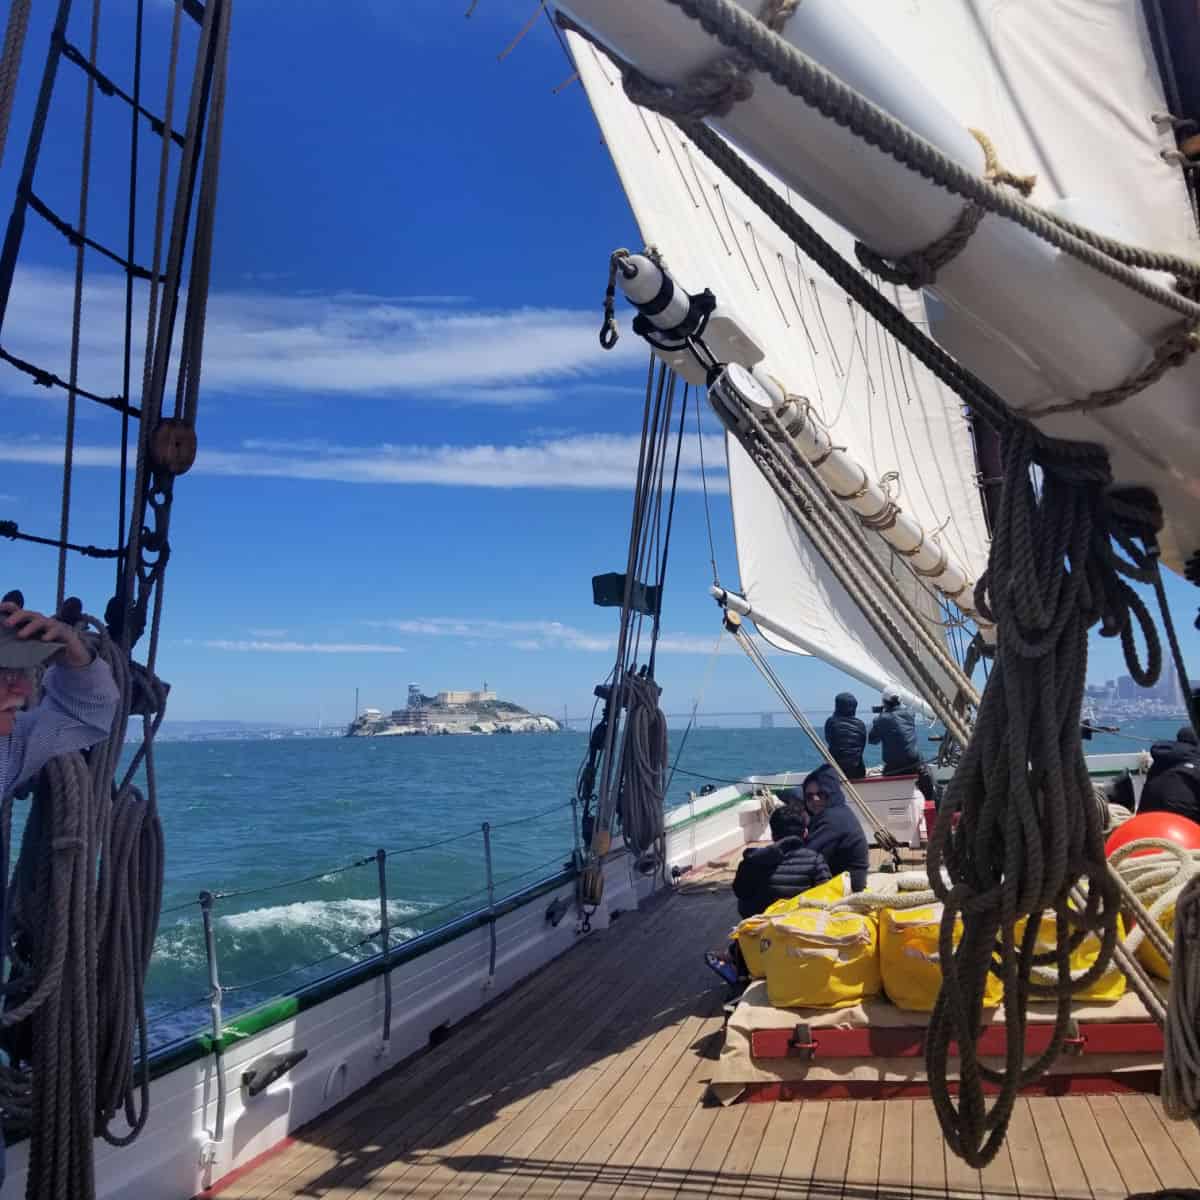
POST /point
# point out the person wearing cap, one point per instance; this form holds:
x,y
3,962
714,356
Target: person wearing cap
x,y
894,731
79,695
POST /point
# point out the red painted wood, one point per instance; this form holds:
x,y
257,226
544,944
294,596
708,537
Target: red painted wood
x,y
227,1181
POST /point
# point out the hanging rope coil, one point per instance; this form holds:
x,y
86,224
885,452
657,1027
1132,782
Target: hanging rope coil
x,y
643,769
85,896
1029,830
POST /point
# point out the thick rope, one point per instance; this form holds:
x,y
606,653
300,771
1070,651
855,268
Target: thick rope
x,y
10,63
819,88
1029,830
86,895
1181,1053
643,769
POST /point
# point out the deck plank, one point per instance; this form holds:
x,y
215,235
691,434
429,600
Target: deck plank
x,y
1098,1163
1030,1173
896,1152
773,1150
732,1179
1158,1143
798,1168
1066,1172
929,1153
1130,1158
701,1171
962,1181
833,1151
862,1167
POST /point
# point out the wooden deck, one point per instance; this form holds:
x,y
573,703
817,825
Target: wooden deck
x,y
588,1082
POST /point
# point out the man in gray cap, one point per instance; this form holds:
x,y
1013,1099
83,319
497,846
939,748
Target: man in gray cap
x,y
79,696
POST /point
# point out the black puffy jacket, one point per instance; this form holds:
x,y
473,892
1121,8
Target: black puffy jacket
x,y
895,732
846,736
1173,781
776,872
835,833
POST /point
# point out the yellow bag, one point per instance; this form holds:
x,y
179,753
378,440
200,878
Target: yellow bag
x,y
819,959
1109,987
1146,953
910,961
748,934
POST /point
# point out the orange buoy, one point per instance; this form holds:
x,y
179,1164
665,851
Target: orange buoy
x,y
1169,826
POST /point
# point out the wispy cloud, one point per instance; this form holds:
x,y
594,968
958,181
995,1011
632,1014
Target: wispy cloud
x,y
600,460
534,635
272,634
263,339
272,647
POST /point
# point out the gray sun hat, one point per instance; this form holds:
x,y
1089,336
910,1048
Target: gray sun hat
x,y
22,654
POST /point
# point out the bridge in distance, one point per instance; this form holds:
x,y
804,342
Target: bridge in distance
x,y
766,720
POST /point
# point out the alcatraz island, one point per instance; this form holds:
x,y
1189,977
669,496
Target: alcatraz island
x,y
450,712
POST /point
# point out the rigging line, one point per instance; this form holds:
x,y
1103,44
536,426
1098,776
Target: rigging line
x,y
10,530
716,187
670,521
77,237
85,173
703,190
48,379
708,674
10,63
667,136
130,243
110,88
712,548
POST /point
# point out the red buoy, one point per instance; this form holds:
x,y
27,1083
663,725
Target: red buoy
x,y
1169,826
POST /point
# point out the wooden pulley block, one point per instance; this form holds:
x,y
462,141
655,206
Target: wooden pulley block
x,y
173,446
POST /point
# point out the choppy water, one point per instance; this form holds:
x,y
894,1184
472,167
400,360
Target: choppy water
x,y
244,817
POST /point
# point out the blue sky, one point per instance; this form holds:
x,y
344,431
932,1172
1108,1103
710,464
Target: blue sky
x,y
413,454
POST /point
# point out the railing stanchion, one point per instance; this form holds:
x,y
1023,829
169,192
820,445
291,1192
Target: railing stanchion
x,y
385,944
214,1004
491,895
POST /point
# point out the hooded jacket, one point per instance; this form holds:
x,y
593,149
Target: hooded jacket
x,y
895,732
846,736
835,834
777,872
1173,781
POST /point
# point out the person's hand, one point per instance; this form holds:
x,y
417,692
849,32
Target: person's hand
x,y
36,626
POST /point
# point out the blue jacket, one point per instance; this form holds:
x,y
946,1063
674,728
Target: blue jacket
x,y
835,834
895,731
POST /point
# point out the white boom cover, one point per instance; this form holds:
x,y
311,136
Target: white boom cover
x,y
1065,89
874,398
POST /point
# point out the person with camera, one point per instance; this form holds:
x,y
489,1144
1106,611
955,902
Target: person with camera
x,y
894,730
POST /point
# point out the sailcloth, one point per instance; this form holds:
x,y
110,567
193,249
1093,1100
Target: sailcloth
x,y
873,397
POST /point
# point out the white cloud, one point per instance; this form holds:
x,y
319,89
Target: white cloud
x,y
254,647
535,635
597,460
259,340
271,634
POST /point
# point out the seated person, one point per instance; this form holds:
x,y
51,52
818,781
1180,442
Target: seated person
x,y
895,732
846,736
834,831
781,870
79,696
1173,781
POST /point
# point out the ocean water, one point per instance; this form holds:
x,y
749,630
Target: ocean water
x,y
272,828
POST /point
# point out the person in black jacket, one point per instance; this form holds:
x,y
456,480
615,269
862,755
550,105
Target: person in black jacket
x,y
895,732
833,830
846,736
781,870
1173,781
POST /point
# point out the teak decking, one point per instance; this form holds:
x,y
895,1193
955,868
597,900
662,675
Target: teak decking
x,y
588,1082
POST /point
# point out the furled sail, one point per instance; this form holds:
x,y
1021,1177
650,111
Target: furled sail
x,y
873,397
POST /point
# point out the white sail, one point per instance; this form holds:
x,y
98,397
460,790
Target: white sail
x,y
874,398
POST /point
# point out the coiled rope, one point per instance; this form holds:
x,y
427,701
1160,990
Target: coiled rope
x,y
643,769
85,898
1029,830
